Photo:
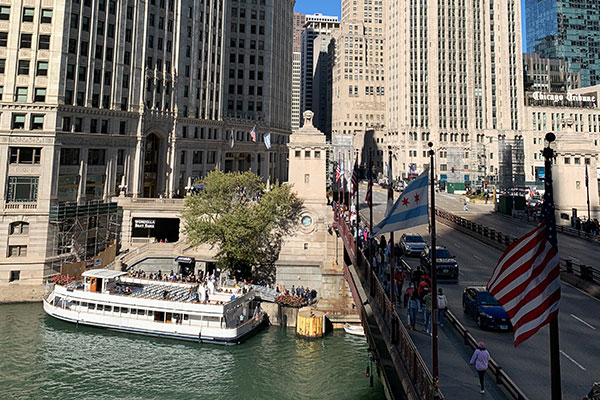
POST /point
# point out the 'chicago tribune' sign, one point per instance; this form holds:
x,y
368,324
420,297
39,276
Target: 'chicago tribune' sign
x,y
563,99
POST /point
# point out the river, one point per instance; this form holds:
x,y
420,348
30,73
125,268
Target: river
x,y
44,358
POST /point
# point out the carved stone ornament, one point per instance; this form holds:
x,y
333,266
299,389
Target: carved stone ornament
x,y
308,117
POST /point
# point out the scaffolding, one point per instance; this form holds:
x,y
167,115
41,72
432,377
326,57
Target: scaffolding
x,y
81,231
511,163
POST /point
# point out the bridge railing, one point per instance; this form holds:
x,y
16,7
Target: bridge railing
x,y
501,241
396,334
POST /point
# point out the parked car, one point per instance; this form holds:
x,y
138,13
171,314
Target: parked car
x,y
446,265
485,310
412,243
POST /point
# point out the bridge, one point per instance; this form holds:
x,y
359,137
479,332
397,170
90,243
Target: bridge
x,y
477,240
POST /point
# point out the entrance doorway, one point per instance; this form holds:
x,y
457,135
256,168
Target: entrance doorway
x,y
151,157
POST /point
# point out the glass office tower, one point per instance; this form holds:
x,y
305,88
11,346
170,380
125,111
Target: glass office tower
x,y
568,30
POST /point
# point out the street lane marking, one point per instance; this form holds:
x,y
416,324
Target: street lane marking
x,y
477,257
575,258
458,245
460,272
582,321
573,361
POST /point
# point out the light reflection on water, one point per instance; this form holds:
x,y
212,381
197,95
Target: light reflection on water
x,y
43,358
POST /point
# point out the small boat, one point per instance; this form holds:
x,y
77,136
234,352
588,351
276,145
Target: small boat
x,y
354,329
108,299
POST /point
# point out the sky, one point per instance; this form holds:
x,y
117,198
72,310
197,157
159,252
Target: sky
x,y
333,7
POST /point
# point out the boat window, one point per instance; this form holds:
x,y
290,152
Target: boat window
x,y
124,310
75,302
107,308
100,307
83,304
141,312
186,317
117,309
91,306
133,311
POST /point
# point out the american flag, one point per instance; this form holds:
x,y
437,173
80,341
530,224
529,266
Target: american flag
x,y
369,195
526,281
253,134
338,172
355,178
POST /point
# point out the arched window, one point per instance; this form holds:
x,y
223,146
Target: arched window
x,y
19,228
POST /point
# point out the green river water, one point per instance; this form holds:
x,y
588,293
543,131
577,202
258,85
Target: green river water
x,y
43,358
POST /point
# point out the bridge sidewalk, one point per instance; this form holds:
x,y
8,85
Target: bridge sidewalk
x,y
458,380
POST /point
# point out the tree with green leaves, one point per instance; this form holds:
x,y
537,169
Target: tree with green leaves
x,y
246,222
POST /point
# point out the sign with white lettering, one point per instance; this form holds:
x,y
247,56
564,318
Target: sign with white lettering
x,y
562,99
144,223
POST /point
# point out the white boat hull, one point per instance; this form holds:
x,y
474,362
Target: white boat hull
x,y
354,330
204,334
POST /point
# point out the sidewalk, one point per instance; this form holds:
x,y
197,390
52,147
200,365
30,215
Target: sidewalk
x,y
458,380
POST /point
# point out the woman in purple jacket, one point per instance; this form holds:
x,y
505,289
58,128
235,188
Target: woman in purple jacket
x,y
480,359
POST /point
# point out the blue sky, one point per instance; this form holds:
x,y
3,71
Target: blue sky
x,y
333,7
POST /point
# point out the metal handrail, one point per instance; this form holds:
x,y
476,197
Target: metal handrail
x,y
586,272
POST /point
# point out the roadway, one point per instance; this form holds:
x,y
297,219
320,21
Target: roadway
x,y
528,365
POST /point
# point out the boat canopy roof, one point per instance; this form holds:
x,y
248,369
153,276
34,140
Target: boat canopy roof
x,y
103,273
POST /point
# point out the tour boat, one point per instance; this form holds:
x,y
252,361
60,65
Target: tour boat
x,y
354,330
109,299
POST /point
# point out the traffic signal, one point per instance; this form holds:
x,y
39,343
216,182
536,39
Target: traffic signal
x,y
452,169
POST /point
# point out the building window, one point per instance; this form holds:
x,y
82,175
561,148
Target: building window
x,y
22,189
197,157
2,65
14,276
68,186
28,14
19,228
21,95
567,160
17,251
317,154
37,122
4,13
46,16
23,68
94,186
25,41
25,155
40,95
96,157
42,68
3,39
44,44
307,154
297,153
18,121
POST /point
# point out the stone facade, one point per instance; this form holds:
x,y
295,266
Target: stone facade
x,y
359,73
310,257
137,99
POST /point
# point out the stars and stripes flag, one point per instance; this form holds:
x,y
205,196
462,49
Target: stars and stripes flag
x,y
355,178
253,134
231,139
369,195
587,177
526,281
267,140
411,208
338,173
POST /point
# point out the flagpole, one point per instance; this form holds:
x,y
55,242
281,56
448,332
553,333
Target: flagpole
x,y
555,380
357,208
434,306
391,260
370,207
587,186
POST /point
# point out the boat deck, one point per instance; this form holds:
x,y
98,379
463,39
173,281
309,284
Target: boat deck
x,y
156,291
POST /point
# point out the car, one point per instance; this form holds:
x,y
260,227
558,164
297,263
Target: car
x,y
412,243
485,310
446,265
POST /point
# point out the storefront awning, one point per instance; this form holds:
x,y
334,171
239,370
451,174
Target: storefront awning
x,y
185,260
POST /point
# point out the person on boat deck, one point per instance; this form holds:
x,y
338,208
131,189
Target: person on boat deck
x,y
211,286
202,293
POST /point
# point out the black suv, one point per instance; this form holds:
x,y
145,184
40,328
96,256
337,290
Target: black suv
x,y
447,267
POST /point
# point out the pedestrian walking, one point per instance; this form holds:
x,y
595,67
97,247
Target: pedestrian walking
x,y
428,299
413,308
480,359
465,206
442,303
408,294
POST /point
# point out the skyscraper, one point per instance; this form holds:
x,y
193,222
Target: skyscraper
x,y
315,40
455,77
568,30
359,78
